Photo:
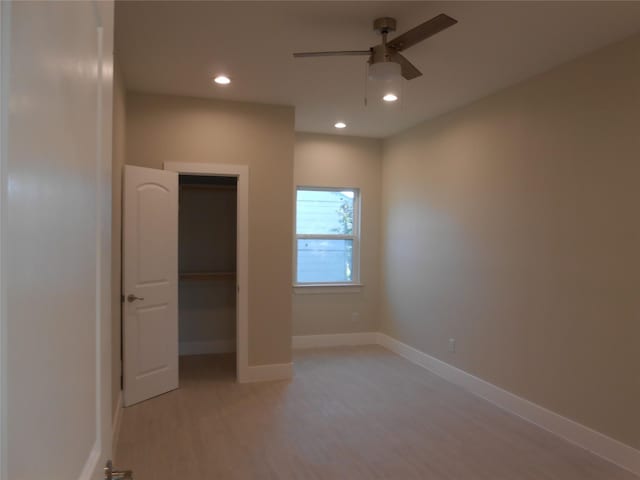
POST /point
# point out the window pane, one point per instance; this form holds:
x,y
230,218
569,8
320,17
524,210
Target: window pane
x,y
324,261
325,212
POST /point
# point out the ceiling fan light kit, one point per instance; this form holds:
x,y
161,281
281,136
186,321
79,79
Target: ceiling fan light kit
x,y
384,71
384,83
386,65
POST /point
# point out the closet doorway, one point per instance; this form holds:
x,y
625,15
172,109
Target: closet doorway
x,y
207,272
213,260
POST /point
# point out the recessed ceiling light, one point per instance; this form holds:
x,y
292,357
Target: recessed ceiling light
x,y
340,125
390,97
222,80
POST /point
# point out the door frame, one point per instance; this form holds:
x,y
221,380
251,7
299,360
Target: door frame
x,y
5,10
241,172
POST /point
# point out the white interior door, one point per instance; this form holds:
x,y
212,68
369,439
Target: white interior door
x,y
150,282
56,92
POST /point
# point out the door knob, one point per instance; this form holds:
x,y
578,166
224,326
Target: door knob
x,y
132,298
111,474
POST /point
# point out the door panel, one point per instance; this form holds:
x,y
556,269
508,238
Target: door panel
x,y
154,233
152,322
150,271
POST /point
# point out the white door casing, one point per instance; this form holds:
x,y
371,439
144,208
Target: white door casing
x,y
241,172
150,273
55,203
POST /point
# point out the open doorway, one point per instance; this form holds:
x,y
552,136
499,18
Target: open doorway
x,y
207,238
227,279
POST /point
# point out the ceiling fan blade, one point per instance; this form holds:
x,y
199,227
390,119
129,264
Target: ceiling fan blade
x,y
422,32
332,54
409,70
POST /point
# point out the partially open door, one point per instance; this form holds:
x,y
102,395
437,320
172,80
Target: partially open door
x,y
150,282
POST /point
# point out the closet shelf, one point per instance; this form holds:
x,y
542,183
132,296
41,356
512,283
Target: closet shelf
x,y
206,275
207,187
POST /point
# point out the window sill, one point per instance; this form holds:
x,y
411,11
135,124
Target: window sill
x,y
326,288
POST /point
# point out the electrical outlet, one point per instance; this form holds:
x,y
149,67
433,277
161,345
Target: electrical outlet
x,y
355,317
452,345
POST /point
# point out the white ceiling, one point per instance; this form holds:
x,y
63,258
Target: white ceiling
x,y
176,48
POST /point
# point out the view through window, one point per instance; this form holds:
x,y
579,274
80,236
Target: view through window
x,y
327,235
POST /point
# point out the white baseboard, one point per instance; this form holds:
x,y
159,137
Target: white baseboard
x,y
265,373
597,443
204,348
335,340
115,427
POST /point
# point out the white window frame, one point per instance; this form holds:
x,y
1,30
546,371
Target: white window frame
x,y
354,237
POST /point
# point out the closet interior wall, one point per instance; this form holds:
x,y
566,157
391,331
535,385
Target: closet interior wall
x,y
207,263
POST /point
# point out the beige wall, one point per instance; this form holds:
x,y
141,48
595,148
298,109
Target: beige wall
x,y
513,226
118,148
163,128
342,161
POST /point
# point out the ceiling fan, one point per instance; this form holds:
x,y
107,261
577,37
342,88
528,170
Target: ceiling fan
x,y
389,51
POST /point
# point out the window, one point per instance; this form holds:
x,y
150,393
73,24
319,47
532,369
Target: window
x,y
327,235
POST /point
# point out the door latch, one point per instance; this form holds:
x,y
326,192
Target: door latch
x,y
111,474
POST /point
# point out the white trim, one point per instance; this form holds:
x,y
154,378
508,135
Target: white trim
x,y
267,373
325,236
102,265
115,427
334,340
5,64
595,442
204,348
326,288
91,465
204,168
242,249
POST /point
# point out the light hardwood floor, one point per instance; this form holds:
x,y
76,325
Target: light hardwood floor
x,y
349,413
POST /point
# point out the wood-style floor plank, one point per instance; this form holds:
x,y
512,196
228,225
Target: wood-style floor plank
x,y
349,413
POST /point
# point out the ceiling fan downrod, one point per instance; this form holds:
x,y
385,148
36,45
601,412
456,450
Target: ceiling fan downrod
x,y
383,26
